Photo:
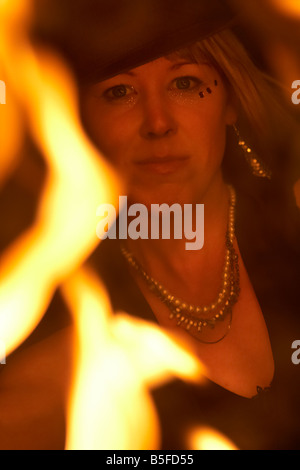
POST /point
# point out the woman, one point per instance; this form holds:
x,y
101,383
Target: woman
x,y
169,105
163,125
172,127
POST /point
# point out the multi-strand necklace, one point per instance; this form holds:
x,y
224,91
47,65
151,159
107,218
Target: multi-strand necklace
x,y
196,319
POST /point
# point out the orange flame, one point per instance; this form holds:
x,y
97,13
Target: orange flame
x,y
11,124
287,7
56,244
117,359
209,439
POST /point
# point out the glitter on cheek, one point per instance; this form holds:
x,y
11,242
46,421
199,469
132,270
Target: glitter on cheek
x,y
120,104
185,97
130,101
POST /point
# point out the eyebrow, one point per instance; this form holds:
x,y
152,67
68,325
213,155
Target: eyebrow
x,y
175,66
132,74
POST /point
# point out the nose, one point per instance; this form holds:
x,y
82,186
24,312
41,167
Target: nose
x,y
158,118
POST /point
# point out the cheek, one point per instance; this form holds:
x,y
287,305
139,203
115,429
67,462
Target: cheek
x,y
206,131
207,127
209,115
111,132
109,138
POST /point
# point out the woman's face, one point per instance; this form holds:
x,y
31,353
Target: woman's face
x,y
163,126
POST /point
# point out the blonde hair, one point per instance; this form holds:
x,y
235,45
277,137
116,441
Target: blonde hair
x,y
254,92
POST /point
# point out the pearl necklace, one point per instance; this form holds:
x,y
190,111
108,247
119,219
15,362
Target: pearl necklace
x,y
199,317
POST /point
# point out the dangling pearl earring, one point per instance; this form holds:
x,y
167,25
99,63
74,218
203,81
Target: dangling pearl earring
x,y
258,168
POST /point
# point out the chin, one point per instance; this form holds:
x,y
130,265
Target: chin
x,y
168,195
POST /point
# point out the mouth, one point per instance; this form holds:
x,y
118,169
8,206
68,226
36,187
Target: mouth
x,y
162,165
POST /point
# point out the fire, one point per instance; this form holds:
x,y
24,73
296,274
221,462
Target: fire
x,y
11,124
208,439
287,7
57,240
117,360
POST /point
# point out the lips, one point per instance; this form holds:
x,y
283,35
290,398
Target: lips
x,y
162,165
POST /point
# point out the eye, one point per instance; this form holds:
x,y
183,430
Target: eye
x,y
118,92
186,83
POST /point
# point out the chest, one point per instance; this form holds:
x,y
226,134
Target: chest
x,y
243,360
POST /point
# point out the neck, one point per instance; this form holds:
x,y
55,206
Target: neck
x,y
170,258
